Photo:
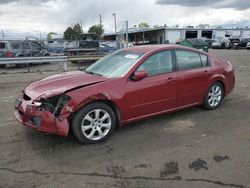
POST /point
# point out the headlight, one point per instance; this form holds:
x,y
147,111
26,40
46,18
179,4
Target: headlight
x,y
52,104
37,103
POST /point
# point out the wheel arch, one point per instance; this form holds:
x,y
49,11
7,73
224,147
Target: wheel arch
x,y
103,98
221,79
19,55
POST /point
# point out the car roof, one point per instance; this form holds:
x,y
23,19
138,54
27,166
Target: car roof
x,y
149,48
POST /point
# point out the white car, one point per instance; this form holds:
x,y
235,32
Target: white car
x,y
248,46
220,42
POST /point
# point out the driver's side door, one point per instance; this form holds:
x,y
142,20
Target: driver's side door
x,y
155,93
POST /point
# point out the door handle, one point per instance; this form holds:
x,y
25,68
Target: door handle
x,y
206,72
170,79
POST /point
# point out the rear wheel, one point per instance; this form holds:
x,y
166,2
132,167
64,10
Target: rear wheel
x,y
93,123
214,96
2,65
22,65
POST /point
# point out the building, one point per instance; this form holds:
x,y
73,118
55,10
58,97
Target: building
x,y
163,35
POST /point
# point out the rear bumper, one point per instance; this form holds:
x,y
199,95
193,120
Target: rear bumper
x,y
44,121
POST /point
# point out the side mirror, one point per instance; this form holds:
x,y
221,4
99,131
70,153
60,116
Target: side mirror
x,y
139,75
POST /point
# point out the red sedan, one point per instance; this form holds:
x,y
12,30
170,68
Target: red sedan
x,y
129,85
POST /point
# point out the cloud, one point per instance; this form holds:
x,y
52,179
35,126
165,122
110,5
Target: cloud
x,y
56,15
29,2
217,4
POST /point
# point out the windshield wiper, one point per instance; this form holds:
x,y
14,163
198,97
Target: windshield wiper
x,y
93,73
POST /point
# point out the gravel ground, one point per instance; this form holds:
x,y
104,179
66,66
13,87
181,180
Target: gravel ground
x,y
190,148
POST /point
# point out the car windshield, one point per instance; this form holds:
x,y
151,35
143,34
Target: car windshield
x,y
114,65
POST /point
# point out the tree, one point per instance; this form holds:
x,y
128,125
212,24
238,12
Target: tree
x,y
73,33
77,29
50,34
69,34
143,24
97,29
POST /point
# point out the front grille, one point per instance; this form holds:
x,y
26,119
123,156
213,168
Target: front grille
x,y
26,97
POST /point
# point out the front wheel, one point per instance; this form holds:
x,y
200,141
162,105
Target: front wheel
x,y
93,123
213,96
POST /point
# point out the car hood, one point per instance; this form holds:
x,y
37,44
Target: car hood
x,y
60,83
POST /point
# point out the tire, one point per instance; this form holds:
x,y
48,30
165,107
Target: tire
x,y
96,129
22,65
214,96
2,65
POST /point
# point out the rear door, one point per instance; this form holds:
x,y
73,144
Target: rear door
x,y
157,92
26,48
35,50
192,77
16,48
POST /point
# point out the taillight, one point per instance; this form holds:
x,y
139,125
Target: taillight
x,y
9,53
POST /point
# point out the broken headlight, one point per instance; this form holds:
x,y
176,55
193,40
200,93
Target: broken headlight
x,y
52,104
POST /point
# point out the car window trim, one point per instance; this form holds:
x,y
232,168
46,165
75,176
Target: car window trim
x,y
208,60
177,67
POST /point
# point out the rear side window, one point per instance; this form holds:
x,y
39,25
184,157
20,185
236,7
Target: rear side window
x,y
187,60
2,45
15,45
204,60
158,63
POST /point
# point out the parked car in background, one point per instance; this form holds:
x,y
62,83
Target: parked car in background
x,y
244,42
88,43
129,85
54,45
16,48
221,43
234,42
107,47
209,41
248,46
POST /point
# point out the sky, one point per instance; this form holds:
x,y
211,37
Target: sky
x,y
35,16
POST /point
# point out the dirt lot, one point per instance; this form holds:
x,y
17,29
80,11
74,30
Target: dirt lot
x,y
191,148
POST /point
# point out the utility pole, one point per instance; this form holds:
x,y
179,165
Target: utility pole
x,y
100,21
115,22
3,32
126,22
116,37
81,24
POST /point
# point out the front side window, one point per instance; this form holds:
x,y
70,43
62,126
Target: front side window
x,y
158,63
115,65
187,60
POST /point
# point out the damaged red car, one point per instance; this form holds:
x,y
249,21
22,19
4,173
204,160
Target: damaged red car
x,y
129,85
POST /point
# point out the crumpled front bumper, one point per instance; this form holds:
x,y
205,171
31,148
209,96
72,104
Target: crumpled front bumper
x,y
28,114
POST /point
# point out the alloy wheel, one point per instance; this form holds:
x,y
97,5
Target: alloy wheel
x,y
96,124
214,96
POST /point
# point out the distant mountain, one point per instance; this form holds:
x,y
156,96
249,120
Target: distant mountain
x,y
14,34
242,24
